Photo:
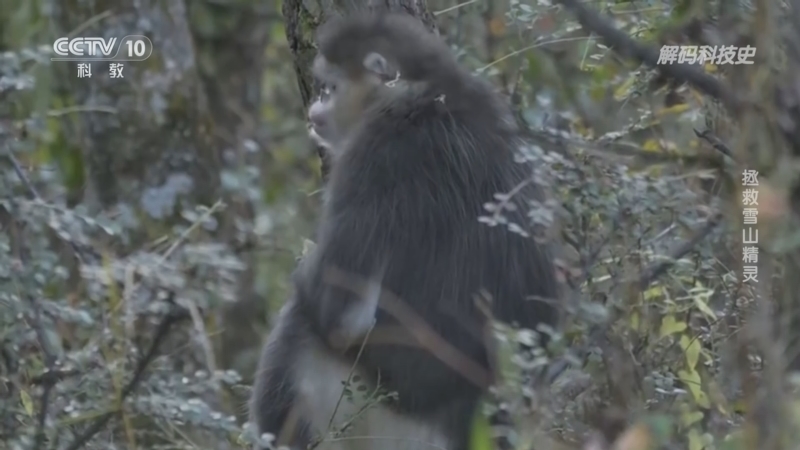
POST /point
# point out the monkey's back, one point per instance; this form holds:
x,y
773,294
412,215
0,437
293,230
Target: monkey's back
x,y
412,183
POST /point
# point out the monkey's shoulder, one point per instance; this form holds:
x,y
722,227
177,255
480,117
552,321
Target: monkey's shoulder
x,y
424,125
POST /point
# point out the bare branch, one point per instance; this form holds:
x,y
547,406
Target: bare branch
x,y
21,174
715,142
33,192
657,269
623,44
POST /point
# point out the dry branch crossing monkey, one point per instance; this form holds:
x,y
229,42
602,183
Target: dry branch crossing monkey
x,y
419,145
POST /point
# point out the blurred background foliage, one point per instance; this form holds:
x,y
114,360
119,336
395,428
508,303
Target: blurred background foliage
x,y
150,223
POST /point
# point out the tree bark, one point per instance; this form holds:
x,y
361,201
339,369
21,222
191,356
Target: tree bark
x,y
153,146
230,38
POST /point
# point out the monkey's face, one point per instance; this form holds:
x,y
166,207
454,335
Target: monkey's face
x,y
346,96
321,127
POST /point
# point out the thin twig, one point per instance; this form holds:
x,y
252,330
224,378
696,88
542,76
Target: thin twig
x,y
21,174
51,361
50,356
715,142
33,192
598,331
350,376
530,47
657,269
175,316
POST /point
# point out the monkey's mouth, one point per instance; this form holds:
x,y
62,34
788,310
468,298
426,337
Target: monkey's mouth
x,y
318,133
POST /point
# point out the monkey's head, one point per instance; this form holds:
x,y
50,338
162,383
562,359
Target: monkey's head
x,y
367,61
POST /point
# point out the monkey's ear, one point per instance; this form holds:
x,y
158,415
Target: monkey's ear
x,y
377,64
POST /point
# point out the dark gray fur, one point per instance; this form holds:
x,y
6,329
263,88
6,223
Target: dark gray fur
x,y
405,195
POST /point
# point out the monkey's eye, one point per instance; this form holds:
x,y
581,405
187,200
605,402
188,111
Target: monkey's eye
x,y
329,89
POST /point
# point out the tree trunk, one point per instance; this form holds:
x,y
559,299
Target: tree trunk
x,y
154,144
230,39
175,123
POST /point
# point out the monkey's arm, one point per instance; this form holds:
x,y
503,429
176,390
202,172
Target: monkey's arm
x,y
385,220
325,286
399,202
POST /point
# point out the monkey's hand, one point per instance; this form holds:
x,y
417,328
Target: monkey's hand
x,y
358,302
318,140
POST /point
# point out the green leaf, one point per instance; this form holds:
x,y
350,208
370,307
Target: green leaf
x,y
481,433
690,418
653,293
27,403
691,378
670,326
691,348
625,89
700,302
695,440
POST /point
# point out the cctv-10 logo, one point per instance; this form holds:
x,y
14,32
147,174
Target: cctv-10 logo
x,y
130,48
